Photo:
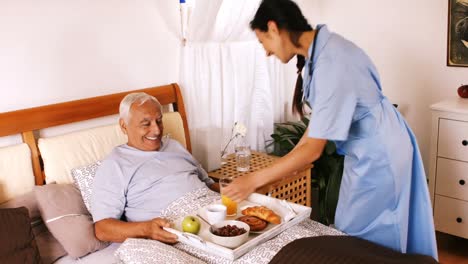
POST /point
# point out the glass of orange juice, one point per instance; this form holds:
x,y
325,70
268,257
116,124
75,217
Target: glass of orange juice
x,y
231,206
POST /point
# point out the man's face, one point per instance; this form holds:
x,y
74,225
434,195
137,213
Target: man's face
x,y
145,126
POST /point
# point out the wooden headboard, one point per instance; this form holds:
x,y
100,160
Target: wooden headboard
x,y
26,121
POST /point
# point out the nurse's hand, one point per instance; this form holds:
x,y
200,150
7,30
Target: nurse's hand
x,y
241,187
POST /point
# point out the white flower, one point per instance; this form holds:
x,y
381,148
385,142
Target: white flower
x,y
240,129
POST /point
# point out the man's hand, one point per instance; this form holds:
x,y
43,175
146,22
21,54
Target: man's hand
x,y
115,230
155,231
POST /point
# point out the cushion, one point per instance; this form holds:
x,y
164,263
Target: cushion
x,y
343,250
174,126
65,215
84,178
17,243
63,153
27,200
49,248
16,173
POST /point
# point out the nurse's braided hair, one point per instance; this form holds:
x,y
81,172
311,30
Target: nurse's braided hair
x,y
287,15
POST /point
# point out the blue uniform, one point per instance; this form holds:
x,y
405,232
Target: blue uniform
x,y
384,196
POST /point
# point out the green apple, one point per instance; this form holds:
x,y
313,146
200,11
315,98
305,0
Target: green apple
x,y
191,224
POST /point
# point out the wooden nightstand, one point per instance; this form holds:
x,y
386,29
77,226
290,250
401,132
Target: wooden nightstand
x,y
449,165
294,189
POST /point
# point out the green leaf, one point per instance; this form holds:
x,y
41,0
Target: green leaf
x,y
275,137
330,148
305,121
285,130
297,126
333,189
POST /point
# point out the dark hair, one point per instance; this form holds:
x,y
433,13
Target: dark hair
x,y
287,15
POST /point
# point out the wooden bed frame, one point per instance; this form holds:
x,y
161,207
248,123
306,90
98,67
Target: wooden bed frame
x,y
27,121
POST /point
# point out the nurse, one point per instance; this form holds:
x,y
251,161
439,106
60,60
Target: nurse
x,y
384,196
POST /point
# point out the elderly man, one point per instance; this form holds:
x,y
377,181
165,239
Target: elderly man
x,y
141,178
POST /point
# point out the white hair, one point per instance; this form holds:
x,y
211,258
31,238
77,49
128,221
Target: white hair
x,y
129,99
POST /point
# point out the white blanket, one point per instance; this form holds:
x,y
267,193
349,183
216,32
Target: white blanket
x,y
138,251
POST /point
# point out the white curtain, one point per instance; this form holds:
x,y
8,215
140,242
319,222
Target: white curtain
x,y
226,78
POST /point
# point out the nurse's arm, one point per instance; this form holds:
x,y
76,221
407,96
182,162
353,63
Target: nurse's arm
x,y
305,152
302,141
303,138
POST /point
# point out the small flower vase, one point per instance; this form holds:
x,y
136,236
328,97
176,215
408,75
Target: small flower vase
x,y
243,155
224,158
237,135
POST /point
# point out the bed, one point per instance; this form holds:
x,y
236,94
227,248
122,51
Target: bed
x,y
45,156
50,173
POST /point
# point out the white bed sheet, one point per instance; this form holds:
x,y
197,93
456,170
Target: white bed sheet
x,y
104,256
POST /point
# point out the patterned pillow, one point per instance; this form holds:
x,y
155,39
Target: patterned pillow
x,y
84,178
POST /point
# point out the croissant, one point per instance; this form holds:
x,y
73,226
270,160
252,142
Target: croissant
x,y
264,213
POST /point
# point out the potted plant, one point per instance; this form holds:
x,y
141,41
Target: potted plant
x,y
327,170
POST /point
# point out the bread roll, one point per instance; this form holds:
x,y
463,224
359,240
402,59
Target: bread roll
x,y
255,223
263,213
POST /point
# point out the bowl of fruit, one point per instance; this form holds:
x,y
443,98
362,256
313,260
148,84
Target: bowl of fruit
x,y
229,233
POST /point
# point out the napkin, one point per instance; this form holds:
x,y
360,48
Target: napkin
x,y
290,214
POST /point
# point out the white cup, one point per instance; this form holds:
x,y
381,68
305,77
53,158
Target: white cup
x,y
215,213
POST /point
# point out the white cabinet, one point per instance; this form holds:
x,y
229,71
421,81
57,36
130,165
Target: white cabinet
x,y
448,176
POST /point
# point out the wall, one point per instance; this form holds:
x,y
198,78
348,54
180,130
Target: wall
x,y
407,42
53,51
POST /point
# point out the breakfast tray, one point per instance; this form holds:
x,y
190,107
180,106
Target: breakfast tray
x,y
202,240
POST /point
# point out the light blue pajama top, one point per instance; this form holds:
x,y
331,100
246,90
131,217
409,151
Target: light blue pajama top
x,y
383,196
140,184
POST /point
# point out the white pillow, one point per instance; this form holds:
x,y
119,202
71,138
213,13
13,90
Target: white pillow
x,y
16,173
84,178
174,126
63,153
